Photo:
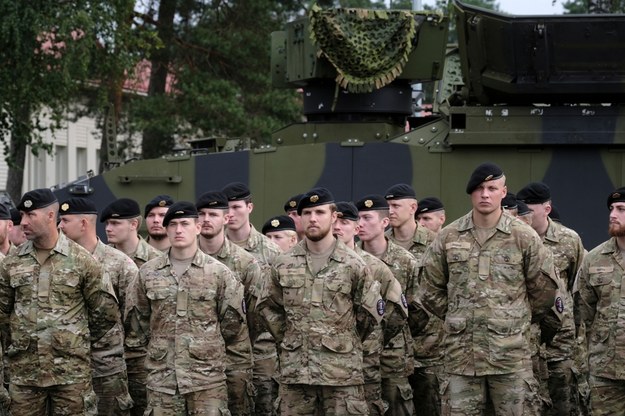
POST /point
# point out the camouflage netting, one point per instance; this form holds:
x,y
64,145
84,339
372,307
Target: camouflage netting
x,y
368,48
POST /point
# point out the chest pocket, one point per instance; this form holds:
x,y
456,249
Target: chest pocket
x,y
457,259
157,291
603,282
337,296
293,286
202,304
22,283
64,287
507,265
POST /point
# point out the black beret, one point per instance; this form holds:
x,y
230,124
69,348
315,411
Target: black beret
x,y
347,210
554,214
35,199
16,217
291,204
180,209
278,223
534,193
313,198
5,213
429,204
212,200
78,206
121,209
236,191
522,209
618,195
158,201
509,201
485,172
400,191
372,203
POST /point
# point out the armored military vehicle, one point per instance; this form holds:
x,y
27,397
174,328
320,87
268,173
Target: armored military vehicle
x,y
539,95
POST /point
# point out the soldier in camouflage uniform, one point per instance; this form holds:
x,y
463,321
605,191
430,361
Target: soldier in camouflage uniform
x,y
110,383
598,293
568,252
488,276
397,360
428,355
431,214
320,304
242,233
394,320
187,308
5,227
16,235
290,209
122,219
5,400
154,213
281,230
212,210
57,303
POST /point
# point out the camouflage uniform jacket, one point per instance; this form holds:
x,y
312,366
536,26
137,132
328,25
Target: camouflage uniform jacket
x,y
487,294
599,304
394,319
427,346
186,323
319,320
247,270
55,310
568,252
265,251
107,355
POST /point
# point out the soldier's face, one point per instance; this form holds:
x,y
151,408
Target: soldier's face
x,y
118,231
486,198
371,224
239,214
154,222
212,221
35,223
345,230
16,235
183,232
4,230
401,211
432,220
71,225
296,219
318,221
541,212
617,219
284,239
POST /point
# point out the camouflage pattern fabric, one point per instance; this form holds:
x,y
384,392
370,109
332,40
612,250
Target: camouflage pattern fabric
x,y
297,399
607,396
425,390
186,323
60,400
488,294
56,310
203,402
112,394
319,320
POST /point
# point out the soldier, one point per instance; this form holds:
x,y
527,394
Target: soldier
x,y
16,235
187,308
281,230
510,204
52,297
431,214
242,233
110,383
123,218
554,214
598,303
524,213
155,211
487,276
394,320
319,305
5,228
397,360
213,215
290,209
568,252
428,355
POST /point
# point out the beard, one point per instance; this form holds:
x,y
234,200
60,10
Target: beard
x,y
158,236
317,234
616,230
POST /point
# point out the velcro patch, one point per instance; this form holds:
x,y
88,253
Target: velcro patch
x,y
243,306
404,301
381,307
559,304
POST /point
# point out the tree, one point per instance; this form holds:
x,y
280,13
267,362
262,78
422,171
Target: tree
x,y
593,6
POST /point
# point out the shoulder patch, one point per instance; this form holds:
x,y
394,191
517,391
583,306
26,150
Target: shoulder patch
x,y
381,306
404,301
559,304
243,306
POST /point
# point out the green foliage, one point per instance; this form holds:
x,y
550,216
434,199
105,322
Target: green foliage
x,y
593,6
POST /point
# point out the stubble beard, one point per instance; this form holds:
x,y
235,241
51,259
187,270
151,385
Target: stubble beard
x,y
616,230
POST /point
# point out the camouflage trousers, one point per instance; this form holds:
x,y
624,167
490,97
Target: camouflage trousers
x,y
113,396
505,394
426,390
137,380
373,395
241,392
562,388
607,397
307,400
63,400
396,391
209,402
265,386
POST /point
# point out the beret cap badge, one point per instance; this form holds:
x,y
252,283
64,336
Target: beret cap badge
x,y
368,203
28,203
162,203
616,195
275,223
314,198
292,204
65,207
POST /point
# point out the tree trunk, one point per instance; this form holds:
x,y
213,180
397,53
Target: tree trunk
x,y
20,135
155,143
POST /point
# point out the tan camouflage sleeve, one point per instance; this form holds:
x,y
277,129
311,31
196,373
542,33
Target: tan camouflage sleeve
x,y
128,273
270,306
368,303
432,291
137,313
585,298
7,300
232,309
102,308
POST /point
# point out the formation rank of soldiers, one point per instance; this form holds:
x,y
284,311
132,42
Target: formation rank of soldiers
x,y
336,308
